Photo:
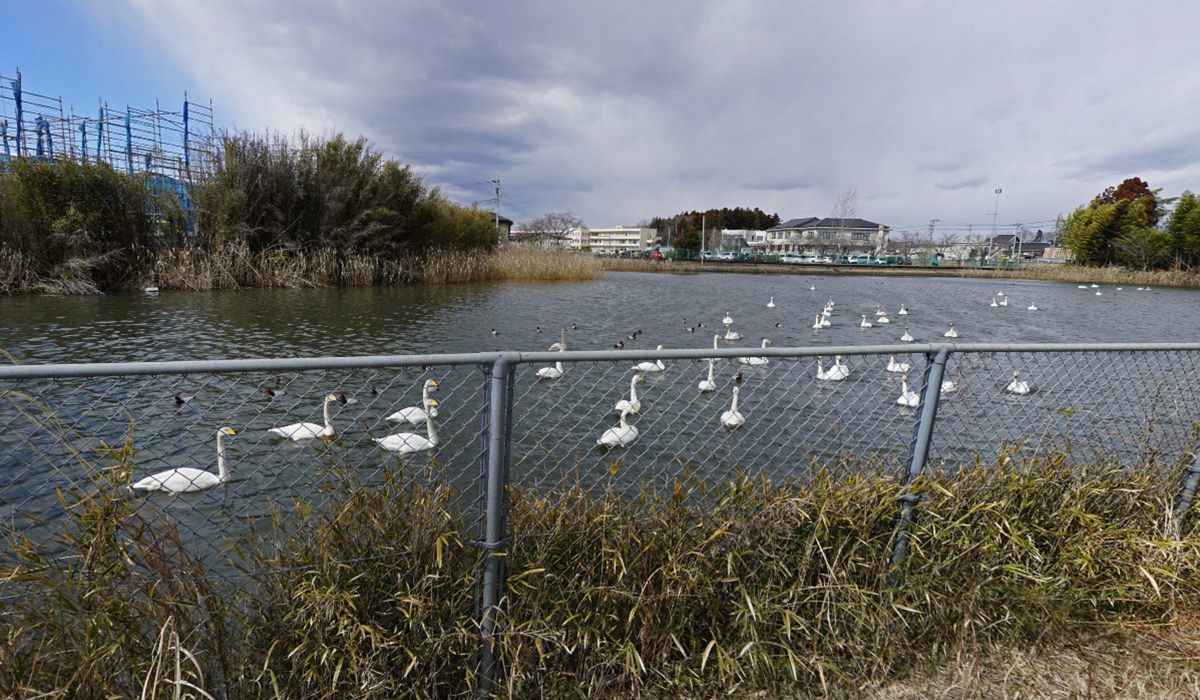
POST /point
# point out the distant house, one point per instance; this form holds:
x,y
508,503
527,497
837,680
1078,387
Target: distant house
x,y
1015,245
612,240
506,225
813,235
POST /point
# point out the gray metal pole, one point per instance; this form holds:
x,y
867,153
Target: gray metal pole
x,y
917,457
496,538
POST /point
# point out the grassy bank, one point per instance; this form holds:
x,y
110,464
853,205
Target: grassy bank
x,y
693,590
1090,275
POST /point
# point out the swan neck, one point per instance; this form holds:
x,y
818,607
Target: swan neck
x,y
328,416
733,408
558,366
429,427
624,425
711,364
633,390
222,467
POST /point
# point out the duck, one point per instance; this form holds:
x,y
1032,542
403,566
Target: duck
x,y
189,479
733,417
907,398
691,329
864,323
416,414
633,401
756,361
894,366
181,400
1016,386
495,332
300,432
949,387
907,337
951,333
656,366
903,311
410,443
622,435
771,304
539,329
620,345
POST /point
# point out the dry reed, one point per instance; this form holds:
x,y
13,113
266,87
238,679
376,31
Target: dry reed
x,y
1078,273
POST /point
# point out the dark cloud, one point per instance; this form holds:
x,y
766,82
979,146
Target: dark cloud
x,y
623,110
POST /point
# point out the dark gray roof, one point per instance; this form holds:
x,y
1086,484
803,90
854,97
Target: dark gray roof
x,y
795,223
503,219
847,223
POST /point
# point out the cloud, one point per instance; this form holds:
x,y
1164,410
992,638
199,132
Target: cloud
x,y
624,110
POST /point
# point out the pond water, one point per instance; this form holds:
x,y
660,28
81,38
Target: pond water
x,y
1129,406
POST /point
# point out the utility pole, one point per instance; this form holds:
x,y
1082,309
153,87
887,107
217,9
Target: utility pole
x,y
702,232
496,182
995,213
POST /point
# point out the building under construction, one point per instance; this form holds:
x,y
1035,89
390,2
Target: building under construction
x,y
171,148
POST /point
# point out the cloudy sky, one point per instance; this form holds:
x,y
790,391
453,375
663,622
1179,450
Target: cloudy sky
x,y
621,111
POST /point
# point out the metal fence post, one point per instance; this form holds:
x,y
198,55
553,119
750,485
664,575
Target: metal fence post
x,y
934,371
495,535
1187,492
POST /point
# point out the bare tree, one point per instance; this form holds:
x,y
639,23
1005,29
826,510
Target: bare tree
x,y
909,241
845,209
552,227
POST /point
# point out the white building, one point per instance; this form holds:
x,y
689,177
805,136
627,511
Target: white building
x,y
813,235
612,240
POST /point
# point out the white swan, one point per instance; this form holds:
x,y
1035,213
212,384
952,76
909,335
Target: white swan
x,y
307,431
903,311
707,385
812,288
894,366
728,320
879,311
994,302
771,304
1083,286
838,371
830,302
1094,285
408,443
621,435
825,322
864,323
951,333
819,323
906,338
416,414
733,418
883,319
949,387
656,366
756,361
731,334
555,372
821,373
1016,386
1004,301
1000,294
1099,293
907,398
633,401
186,479
1032,306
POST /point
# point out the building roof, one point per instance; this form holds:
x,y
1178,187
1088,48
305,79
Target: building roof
x,y
503,219
795,223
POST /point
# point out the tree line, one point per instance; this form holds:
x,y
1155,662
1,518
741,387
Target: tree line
x,y
1133,225
683,229
287,194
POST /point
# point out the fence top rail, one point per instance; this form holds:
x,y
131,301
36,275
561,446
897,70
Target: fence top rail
x,y
61,371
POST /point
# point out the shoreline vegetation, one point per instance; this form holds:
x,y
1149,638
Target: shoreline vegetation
x,y
695,589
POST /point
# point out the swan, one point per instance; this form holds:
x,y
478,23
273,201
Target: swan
x,y
656,366
907,398
1083,286
819,323
838,371
633,401
812,289
883,319
1032,306
308,431
864,323
825,322
999,294
556,371
906,338
621,435
951,333
728,320
903,311
879,311
771,304
732,335
707,385
416,414
830,302
733,418
894,366
994,302
949,387
1099,294
408,443
1016,386
151,290
821,373
1004,301
186,479
1094,285
756,361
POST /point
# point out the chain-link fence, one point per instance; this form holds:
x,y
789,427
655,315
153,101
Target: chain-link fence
x,y
240,461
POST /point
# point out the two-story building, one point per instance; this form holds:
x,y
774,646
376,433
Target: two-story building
x,y
823,236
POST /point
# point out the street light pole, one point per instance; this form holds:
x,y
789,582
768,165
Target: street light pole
x,y
995,213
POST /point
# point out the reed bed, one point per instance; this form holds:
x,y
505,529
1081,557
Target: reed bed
x,y
693,589
1079,273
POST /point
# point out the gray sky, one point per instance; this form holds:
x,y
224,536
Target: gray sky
x,y
623,110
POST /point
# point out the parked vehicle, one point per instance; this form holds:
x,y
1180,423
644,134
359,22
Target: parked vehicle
x,y
656,255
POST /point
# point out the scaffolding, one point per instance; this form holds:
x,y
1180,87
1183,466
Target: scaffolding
x,y
172,148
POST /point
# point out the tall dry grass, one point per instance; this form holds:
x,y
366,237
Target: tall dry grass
x,y
1078,273
692,589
